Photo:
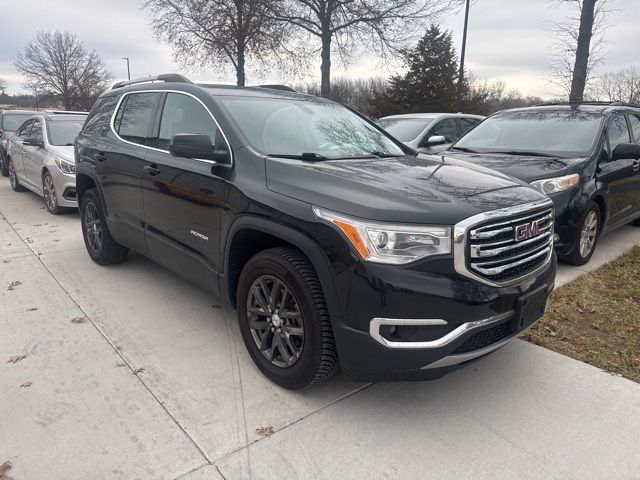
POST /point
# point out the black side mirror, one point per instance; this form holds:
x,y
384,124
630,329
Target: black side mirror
x,y
33,142
626,151
196,145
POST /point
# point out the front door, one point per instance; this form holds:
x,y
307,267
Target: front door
x,y
33,156
183,197
17,149
447,128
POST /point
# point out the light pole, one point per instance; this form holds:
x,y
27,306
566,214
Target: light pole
x,y
462,52
128,71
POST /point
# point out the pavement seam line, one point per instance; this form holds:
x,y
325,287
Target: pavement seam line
x,y
112,345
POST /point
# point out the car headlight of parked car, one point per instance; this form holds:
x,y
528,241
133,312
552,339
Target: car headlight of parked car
x,y
65,166
390,243
556,184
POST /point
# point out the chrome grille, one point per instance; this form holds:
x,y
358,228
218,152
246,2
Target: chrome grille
x,y
507,245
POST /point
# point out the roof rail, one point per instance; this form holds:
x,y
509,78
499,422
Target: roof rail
x,y
64,112
165,77
593,102
277,86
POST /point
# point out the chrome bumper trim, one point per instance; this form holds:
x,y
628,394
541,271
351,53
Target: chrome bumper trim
x,y
376,323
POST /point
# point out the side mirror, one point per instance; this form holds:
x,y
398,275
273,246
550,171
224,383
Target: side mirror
x,y
196,145
436,140
626,151
33,142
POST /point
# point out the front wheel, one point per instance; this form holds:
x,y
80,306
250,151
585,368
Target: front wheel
x,y
585,244
102,248
284,319
4,169
13,177
50,195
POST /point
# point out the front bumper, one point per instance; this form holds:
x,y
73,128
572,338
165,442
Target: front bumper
x,y
442,320
65,186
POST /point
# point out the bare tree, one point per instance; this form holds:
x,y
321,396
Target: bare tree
x,y
623,85
219,32
348,28
58,62
579,45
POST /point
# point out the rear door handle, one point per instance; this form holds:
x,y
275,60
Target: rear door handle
x,y
636,165
152,169
100,156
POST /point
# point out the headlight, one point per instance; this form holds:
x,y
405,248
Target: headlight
x,y
390,243
66,167
557,184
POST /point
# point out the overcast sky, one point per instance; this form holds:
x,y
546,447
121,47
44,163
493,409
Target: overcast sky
x,y
508,39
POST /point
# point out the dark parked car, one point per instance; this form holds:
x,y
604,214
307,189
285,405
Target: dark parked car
x,y
336,243
10,120
585,157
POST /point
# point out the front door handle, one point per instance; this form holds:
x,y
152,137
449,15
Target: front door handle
x,y
636,165
100,156
152,169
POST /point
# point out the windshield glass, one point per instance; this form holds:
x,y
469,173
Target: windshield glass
x,y
567,132
405,129
64,133
309,128
13,120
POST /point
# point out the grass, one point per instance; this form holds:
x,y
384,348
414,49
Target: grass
x,y
596,318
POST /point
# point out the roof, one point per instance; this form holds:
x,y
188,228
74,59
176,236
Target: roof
x,y
432,115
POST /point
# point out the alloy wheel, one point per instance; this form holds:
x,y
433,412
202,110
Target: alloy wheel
x,y
589,234
93,228
12,176
275,321
49,193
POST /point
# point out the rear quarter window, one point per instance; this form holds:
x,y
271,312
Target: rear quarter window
x,y
134,120
97,122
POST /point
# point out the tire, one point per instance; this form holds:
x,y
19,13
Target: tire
x,y
4,170
316,358
636,222
102,248
50,195
13,177
579,254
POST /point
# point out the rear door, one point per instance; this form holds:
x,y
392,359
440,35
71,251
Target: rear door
x,y
183,197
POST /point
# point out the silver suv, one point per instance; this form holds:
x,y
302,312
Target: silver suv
x,y
429,132
40,158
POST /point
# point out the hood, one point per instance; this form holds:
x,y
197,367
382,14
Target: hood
x,y
64,151
406,189
526,168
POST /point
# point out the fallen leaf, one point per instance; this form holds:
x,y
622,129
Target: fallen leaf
x,y
265,431
16,358
4,468
78,319
32,309
13,285
138,370
215,306
595,326
26,384
6,261
120,364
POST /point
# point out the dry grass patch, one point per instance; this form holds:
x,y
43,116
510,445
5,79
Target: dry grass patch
x,y
596,318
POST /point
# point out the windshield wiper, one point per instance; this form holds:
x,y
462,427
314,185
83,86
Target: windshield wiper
x,y
464,149
523,153
380,154
303,156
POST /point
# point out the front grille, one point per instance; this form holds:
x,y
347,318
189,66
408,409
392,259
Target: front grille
x,y
507,249
485,338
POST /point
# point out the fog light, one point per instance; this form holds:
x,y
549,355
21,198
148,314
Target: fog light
x,y
556,238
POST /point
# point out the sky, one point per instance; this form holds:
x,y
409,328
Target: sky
x,y
507,39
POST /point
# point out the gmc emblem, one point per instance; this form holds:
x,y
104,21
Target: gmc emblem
x,y
528,230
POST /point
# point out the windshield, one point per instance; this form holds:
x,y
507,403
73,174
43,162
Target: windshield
x,y
307,128
567,132
12,121
64,133
404,129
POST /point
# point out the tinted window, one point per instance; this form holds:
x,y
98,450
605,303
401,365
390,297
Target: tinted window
x,y
23,131
634,120
63,133
100,116
405,129
36,130
618,131
467,124
135,117
12,121
447,128
184,114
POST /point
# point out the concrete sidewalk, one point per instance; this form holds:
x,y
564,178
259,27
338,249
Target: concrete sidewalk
x,y
191,408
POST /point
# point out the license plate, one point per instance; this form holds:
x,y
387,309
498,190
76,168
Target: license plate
x,y
531,307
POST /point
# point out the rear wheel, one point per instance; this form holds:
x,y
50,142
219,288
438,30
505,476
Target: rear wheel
x,y
13,177
284,319
50,195
102,248
585,244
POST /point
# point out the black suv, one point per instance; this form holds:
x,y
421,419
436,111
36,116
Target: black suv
x,y
336,243
10,120
585,157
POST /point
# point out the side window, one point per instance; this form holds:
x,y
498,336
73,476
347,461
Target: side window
x,y
134,120
467,124
97,122
23,131
618,131
184,114
634,120
447,128
36,130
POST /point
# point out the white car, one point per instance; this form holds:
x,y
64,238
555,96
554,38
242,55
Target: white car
x,y
429,132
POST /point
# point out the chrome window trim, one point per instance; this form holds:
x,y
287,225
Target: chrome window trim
x,y
203,160
376,323
460,241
